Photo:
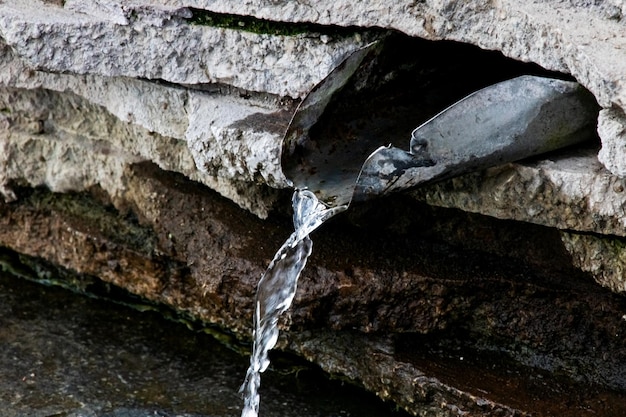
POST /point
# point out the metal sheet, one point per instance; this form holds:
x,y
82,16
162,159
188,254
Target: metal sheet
x,y
506,122
501,123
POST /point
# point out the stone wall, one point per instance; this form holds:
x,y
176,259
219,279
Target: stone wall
x,y
118,120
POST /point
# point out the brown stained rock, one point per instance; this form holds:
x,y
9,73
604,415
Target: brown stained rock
x,y
50,228
401,281
221,249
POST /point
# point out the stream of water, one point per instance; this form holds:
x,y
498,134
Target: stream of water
x,y
277,288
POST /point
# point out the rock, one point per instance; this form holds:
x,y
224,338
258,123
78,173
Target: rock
x,y
578,38
375,305
604,257
136,110
45,146
159,43
569,190
142,121
556,35
612,130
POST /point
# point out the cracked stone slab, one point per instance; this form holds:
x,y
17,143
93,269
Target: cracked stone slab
x,y
152,42
156,107
234,140
206,127
573,37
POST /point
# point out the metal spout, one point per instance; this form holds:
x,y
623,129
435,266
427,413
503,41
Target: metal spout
x,y
505,122
343,160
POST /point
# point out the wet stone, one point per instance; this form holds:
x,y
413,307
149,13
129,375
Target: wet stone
x,y
380,275
68,355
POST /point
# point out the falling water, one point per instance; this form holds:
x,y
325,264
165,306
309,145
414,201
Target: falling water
x,y
525,116
277,288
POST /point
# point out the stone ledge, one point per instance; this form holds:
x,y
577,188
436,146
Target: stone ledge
x,y
64,142
201,255
213,124
565,190
59,39
556,35
571,192
575,38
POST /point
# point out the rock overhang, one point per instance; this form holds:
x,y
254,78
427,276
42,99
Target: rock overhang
x,y
146,41
105,50
149,34
73,126
581,39
214,101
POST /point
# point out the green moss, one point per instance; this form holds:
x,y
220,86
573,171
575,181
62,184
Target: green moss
x,y
262,26
60,3
247,23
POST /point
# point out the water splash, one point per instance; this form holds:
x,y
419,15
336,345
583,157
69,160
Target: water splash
x,y
277,288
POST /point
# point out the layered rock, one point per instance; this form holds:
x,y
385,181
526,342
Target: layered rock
x,y
379,305
148,105
578,38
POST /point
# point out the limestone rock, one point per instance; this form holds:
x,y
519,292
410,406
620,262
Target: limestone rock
x,y
235,139
557,35
612,130
568,190
204,130
604,257
584,39
159,43
66,143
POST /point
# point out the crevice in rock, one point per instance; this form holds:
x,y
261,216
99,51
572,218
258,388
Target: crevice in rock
x,y
271,27
40,270
217,89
